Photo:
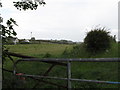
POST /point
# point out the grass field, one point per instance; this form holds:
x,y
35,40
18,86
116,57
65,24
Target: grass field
x,y
107,71
39,50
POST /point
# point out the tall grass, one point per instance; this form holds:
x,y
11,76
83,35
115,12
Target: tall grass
x,y
83,70
79,51
107,71
39,50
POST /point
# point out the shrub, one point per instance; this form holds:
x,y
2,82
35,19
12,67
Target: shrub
x,y
24,43
47,55
97,40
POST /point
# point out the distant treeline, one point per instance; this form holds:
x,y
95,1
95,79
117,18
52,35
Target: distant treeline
x,y
33,41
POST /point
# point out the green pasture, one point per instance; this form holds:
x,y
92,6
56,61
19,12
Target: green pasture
x,y
39,50
106,71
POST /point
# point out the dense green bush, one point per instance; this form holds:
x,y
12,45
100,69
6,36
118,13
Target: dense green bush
x,y
97,40
24,43
47,55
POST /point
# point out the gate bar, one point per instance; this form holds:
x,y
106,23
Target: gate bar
x,y
72,79
73,60
69,74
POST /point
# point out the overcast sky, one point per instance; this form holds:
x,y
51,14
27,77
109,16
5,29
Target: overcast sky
x,y
63,19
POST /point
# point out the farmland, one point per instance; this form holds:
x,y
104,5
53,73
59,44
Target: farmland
x,y
107,71
39,50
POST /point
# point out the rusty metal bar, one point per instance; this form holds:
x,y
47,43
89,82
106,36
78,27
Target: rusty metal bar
x,y
11,58
30,57
40,80
34,78
45,74
18,55
47,82
7,70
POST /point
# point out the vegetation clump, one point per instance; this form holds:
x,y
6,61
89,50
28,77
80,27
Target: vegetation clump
x,y
97,40
47,55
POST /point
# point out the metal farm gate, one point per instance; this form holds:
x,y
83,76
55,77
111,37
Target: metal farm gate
x,y
62,62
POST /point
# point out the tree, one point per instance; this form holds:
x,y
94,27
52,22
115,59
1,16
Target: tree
x,y
28,4
33,38
97,40
8,30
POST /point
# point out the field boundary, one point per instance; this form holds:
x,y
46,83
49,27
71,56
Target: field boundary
x,y
68,62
